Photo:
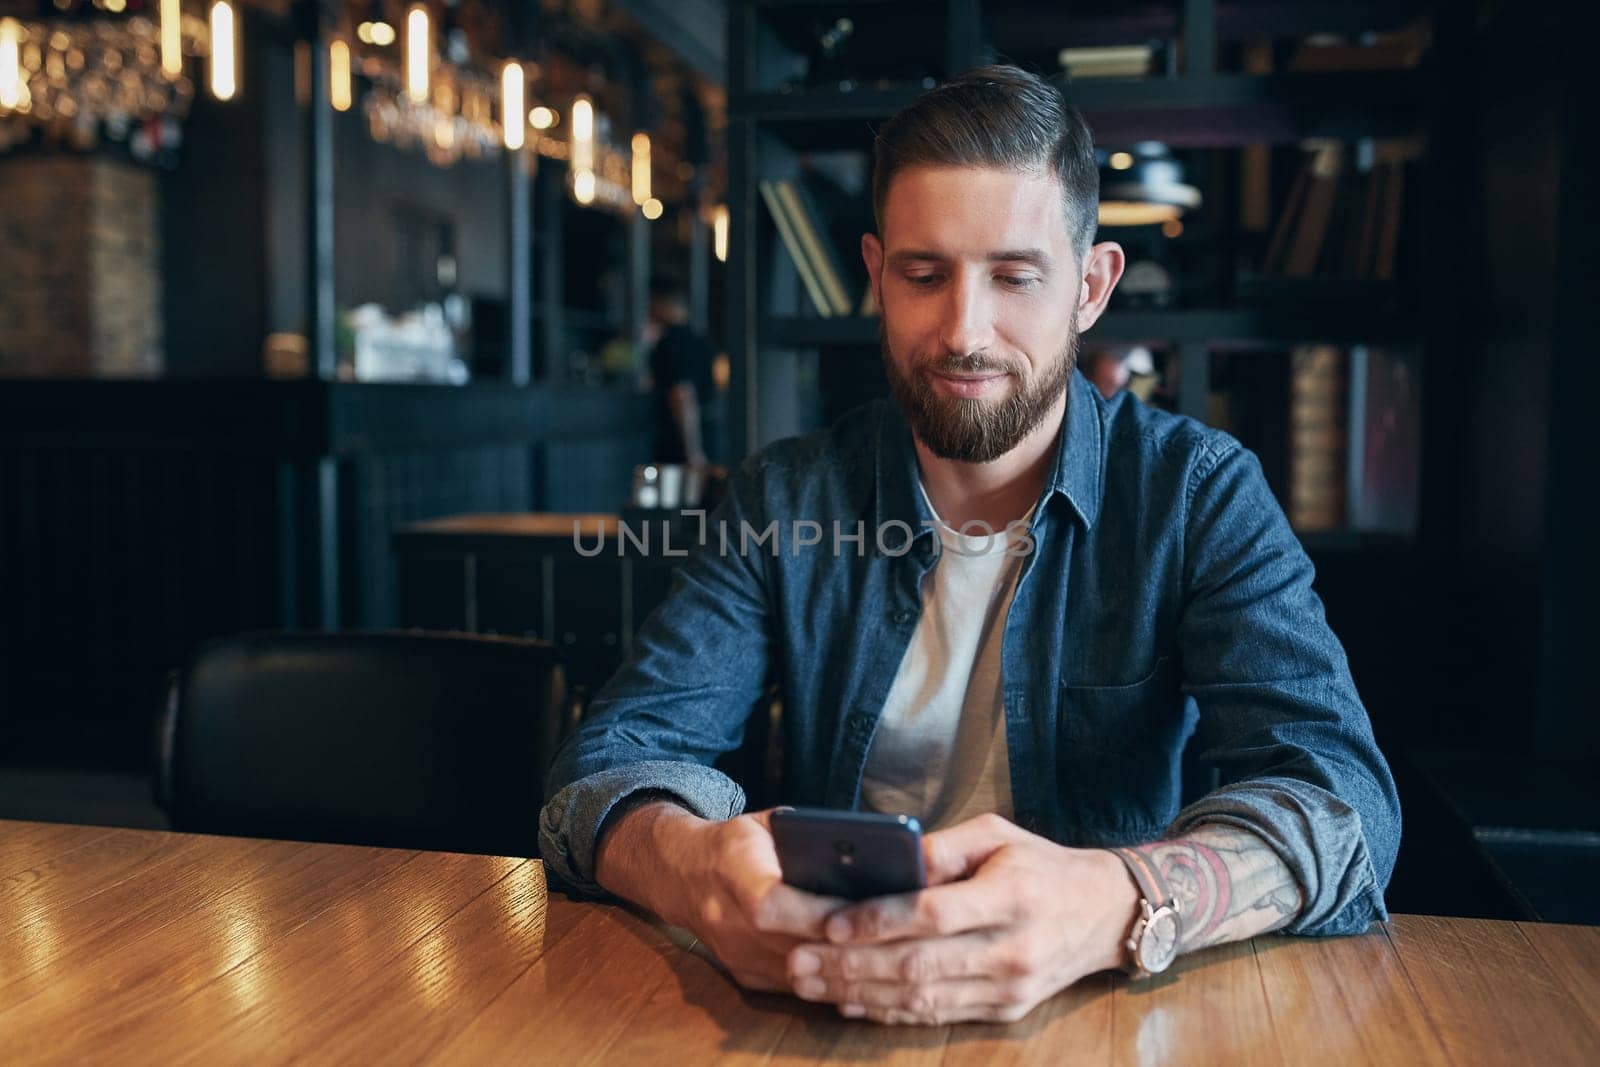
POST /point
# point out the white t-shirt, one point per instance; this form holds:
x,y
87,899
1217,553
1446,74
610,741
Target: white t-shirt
x,y
939,752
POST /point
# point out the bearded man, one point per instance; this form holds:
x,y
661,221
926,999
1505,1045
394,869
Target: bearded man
x,y
1075,637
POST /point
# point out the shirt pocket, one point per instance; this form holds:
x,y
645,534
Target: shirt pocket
x,y
1122,717
1119,754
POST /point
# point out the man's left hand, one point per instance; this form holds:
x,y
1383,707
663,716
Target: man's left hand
x,y
1009,919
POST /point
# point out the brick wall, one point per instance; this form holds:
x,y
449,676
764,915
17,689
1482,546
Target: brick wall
x,y
80,281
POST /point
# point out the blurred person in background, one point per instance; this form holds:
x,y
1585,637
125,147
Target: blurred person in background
x,y
686,427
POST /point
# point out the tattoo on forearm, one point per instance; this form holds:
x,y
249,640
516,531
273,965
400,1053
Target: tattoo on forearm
x,y
1229,885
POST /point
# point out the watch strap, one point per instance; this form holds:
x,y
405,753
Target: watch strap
x,y
1154,894
1151,885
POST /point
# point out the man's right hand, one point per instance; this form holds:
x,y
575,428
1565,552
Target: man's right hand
x,y
719,879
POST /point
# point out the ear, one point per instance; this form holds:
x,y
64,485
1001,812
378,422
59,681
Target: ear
x,y
1102,269
872,253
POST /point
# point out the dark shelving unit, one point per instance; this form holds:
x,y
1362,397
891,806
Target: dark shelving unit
x,y
793,371
1209,111
1233,329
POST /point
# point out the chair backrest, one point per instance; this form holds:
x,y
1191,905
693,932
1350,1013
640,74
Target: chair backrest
x,y
410,740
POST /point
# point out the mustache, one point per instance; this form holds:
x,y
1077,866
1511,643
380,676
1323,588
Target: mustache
x,y
970,363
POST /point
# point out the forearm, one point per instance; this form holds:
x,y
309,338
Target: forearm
x,y
1229,884
685,405
639,852
573,820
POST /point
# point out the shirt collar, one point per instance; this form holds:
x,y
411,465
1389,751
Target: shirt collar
x,y
1075,474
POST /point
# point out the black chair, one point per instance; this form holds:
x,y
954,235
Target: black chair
x,y
400,739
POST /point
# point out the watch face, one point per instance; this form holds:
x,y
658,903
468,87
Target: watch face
x,y
1159,944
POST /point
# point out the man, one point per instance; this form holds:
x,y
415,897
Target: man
x,y
1047,708
681,377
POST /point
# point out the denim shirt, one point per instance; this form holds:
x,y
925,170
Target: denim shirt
x,y
1165,662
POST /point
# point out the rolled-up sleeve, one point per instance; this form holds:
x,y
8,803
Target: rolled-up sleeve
x,y
1280,719
698,666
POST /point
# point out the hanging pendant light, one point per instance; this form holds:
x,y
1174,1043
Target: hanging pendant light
x,y
419,54
10,63
641,168
512,112
1143,186
583,150
341,89
171,38
719,232
224,51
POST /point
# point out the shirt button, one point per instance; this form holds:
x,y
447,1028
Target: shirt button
x,y
901,617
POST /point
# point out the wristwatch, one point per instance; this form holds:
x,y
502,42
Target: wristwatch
x,y
1157,928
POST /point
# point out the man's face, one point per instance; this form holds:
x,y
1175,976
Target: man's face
x,y
979,289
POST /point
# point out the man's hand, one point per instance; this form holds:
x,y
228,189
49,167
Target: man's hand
x,y
719,879
1009,919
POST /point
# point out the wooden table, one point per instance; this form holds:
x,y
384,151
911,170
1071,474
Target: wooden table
x,y
139,946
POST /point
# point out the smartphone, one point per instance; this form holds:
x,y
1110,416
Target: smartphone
x,y
850,854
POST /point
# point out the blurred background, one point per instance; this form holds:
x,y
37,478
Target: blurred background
x,y
328,314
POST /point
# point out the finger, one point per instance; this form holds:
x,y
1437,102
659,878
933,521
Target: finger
x,y
938,912
776,907
955,853
764,816
932,1002
783,909
969,955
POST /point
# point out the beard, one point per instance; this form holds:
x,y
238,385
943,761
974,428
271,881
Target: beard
x,y
976,429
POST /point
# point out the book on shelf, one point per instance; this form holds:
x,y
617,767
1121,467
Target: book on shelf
x,y
1323,169
1399,49
1393,175
1354,439
1319,385
820,223
1385,439
1278,243
840,200
778,207
1110,61
816,245
1343,214
1340,254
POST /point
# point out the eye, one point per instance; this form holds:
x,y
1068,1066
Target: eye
x,y
1017,281
922,281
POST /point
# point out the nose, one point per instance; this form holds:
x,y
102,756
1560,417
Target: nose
x,y
968,316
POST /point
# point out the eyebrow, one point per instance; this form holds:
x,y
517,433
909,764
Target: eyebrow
x,y
1034,256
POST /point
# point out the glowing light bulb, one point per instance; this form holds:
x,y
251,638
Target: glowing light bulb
x,y
224,72
171,38
10,63
641,170
719,232
511,111
418,49
583,150
339,85
582,119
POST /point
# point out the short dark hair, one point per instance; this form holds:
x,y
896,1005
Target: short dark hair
x,y
995,116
